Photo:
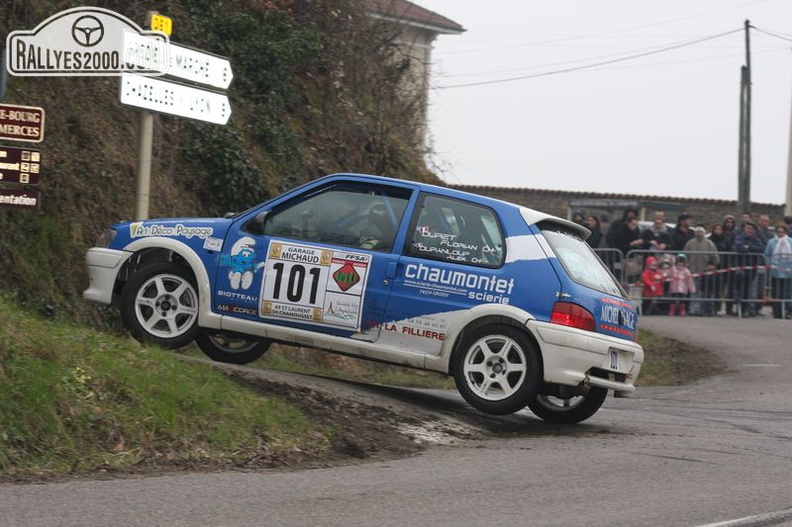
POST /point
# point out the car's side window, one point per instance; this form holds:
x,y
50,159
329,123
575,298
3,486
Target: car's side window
x,y
361,217
451,230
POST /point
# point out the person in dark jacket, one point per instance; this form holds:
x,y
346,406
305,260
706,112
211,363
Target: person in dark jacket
x,y
682,233
617,226
593,224
726,277
751,254
657,237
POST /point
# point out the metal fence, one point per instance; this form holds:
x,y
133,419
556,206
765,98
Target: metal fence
x,y
732,283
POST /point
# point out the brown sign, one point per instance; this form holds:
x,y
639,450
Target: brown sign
x,y
16,198
21,123
19,165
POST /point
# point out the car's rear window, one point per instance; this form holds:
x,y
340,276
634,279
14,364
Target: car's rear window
x,y
579,260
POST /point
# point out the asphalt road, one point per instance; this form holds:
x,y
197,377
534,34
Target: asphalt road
x,y
715,451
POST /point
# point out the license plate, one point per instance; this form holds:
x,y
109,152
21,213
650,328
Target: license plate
x,y
614,360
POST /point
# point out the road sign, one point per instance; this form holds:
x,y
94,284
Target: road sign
x,y
19,165
161,23
14,198
199,66
172,98
21,123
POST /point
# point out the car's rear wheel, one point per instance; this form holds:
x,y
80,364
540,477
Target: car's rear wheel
x,y
497,369
232,348
159,304
568,409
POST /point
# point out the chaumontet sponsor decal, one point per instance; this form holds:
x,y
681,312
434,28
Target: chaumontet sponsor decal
x,y
141,230
437,281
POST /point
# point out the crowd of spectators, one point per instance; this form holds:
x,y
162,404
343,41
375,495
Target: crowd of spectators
x,y
684,269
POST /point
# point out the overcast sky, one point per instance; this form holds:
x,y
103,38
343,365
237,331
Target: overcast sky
x,y
665,124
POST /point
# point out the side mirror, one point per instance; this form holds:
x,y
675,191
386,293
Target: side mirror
x,y
256,225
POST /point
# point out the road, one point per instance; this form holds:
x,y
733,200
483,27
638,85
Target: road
x,y
715,451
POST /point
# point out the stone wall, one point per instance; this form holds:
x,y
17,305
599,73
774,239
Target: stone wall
x,y
563,203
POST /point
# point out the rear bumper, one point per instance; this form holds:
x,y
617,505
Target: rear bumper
x,y
103,268
569,355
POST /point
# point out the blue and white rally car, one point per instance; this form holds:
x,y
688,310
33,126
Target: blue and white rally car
x,y
508,300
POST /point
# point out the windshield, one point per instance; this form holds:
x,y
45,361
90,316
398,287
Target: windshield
x,y
579,260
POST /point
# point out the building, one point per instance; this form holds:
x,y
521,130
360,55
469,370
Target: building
x,y
419,27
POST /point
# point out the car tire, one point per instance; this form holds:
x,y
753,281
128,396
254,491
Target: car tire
x,y
159,304
231,348
497,369
568,410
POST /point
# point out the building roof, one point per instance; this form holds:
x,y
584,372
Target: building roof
x,y
413,15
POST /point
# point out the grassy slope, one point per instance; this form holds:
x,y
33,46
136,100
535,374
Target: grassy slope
x,y
73,400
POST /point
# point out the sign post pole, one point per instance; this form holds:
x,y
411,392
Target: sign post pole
x,y
143,182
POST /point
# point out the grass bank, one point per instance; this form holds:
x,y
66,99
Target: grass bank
x,y
76,401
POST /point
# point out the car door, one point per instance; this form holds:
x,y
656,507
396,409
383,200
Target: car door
x,y
317,261
453,260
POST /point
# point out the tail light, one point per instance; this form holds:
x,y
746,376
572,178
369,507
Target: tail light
x,y
572,315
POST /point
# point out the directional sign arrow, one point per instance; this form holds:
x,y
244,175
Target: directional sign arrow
x,y
199,66
172,98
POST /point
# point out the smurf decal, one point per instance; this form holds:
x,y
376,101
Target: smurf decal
x,y
242,261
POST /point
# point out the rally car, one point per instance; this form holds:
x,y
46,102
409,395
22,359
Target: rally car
x,y
509,301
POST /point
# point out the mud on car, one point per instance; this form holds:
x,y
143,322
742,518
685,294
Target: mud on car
x,y
509,301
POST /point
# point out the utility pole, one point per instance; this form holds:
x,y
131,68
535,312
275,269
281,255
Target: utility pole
x,y
744,174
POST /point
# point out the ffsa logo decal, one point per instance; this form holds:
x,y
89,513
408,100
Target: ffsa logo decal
x,y
87,41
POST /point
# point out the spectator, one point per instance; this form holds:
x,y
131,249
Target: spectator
x,y
788,221
617,226
764,231
629,239
681,286
711,289
751,255
700,251
579,218
745,218
657,237
725,276
729,228
718,237
681,233
652,281
779,256
593,224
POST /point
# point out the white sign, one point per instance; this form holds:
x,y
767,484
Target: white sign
x,y
172,98
84,41
199,66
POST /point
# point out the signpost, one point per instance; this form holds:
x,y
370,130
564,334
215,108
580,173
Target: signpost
x,y
199,66
21,123
175,99
19,165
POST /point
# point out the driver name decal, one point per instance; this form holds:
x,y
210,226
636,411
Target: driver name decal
x,y
313,284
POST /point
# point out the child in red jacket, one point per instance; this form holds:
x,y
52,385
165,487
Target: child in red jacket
x,y
652,280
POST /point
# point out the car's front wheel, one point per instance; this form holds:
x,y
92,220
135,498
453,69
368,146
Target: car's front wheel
x,y
159,304
497,369
231,348
568,409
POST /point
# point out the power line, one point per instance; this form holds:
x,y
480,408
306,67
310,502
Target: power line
x,y
772,34
605,33
596,64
